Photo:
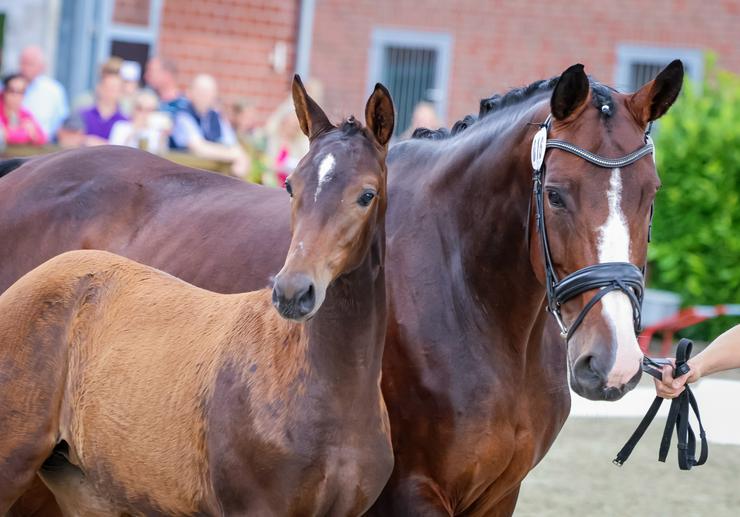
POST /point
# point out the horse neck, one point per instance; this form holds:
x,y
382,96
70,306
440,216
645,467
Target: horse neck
x,y
492,174
346,336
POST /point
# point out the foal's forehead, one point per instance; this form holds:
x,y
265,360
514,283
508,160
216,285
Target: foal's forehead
x,y
340,155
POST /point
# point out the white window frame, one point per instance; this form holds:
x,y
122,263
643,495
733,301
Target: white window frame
x,y
627,54
441,42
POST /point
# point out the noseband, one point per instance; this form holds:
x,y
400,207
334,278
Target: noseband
x,y
606,277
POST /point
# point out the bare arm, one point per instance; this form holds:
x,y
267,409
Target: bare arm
x,y
213,151
722,354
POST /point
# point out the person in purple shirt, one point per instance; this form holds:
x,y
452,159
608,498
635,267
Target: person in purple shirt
x,y
98,120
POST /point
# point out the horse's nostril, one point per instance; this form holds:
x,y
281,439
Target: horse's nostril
x,y
307,299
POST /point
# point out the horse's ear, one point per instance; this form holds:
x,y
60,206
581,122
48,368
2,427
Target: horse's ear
x,y
653,100
570,93
379,116
311,117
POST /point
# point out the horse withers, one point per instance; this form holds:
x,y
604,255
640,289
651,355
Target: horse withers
x,y
132,392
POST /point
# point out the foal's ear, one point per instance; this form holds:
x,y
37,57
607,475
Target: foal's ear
x,y
653,100
379,117
311,117
570,93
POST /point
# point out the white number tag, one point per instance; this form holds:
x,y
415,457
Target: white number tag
x,y
538,148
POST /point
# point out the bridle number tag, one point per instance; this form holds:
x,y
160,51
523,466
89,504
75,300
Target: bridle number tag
x,y
538,148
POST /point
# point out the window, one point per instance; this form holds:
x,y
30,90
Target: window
x,y
90,31
636,65
414,66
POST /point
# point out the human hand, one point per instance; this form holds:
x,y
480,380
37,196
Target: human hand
x,y
669,387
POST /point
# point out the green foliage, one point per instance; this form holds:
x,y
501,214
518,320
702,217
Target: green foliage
x,y
696,231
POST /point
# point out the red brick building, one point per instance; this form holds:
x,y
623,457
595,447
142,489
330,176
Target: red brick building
x,y
489,45
448,52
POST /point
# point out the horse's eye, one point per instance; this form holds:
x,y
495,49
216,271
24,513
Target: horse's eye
x,y
366,198
555,200
288,188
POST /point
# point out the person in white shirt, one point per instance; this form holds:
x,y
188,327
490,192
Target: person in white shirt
x,y
147,129
45,97
201,130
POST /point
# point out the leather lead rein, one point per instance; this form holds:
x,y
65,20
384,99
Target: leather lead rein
x,y
678,418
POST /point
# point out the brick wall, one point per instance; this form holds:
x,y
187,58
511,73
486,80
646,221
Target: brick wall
x,y
502,44
496,44
133,12
233,41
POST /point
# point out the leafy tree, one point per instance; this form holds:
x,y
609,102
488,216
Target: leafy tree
x,y
696,230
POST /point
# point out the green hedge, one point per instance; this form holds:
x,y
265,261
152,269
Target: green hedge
x,y
696,231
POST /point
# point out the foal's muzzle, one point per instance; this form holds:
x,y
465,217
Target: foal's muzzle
x,y
294,296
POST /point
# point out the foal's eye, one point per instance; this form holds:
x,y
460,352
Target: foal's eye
x,y
289,189
555,200
365,198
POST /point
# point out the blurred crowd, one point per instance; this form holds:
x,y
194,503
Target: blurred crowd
x,y
147,109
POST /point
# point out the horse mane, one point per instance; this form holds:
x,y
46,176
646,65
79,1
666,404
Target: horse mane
x,y
600,96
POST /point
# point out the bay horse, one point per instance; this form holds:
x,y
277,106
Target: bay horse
x,y
133,392
474,369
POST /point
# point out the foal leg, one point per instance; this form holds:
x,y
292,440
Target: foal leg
x,y
33,368
27,439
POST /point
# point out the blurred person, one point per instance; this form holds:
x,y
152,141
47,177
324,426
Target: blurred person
x,y
286,145
424,115
98,120
244,121
131,76
45,97
86,99
200,129
285,142
17,123
722,354
161,76
148,128
72,132
243,118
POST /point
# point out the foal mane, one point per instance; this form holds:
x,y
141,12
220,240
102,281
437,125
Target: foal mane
x,y
601,95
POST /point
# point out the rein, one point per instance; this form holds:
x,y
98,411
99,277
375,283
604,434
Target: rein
x,y
678,417
606,277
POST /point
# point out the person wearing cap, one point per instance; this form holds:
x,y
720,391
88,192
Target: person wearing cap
x,y
130,75
722,354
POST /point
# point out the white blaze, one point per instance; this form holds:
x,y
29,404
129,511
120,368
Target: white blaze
x,y
325,169
614,246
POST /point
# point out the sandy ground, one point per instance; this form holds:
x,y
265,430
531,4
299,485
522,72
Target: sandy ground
x,y
577,477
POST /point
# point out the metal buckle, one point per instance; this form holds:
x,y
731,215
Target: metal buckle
x,y
559,320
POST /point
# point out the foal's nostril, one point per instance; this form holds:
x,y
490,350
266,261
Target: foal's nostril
x,y
307,300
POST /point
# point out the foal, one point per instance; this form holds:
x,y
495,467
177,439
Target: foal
x,y
132,392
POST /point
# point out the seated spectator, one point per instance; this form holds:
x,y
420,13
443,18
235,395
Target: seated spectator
x,y
148,128
16,123
201,130
130,74
161,76
98,120
45,97
86,99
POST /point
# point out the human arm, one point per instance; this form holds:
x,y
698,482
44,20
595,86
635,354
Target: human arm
x,y
721,354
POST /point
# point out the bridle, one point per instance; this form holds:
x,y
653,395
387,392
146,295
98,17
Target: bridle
x,y
606,277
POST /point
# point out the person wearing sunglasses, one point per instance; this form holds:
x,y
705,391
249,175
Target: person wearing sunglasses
x,y
17,123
